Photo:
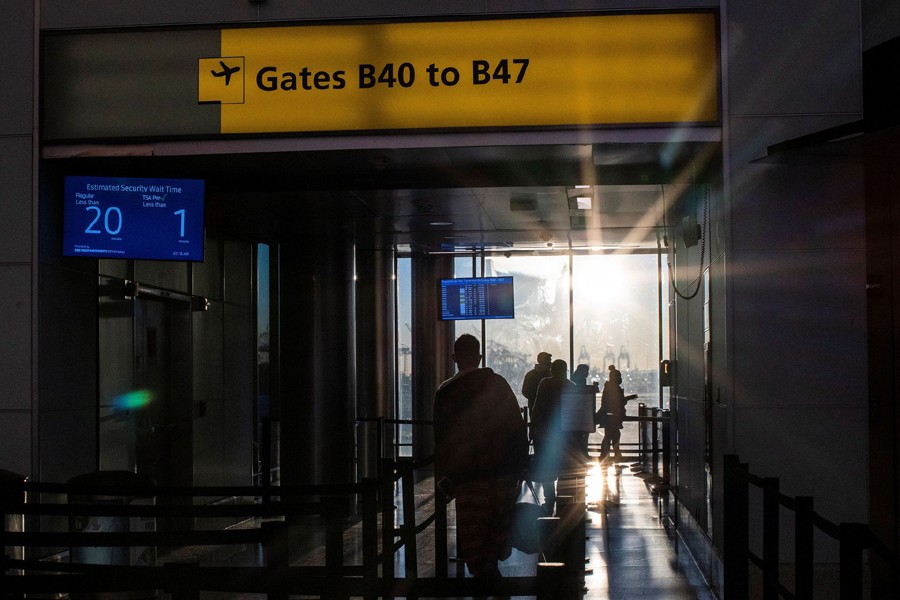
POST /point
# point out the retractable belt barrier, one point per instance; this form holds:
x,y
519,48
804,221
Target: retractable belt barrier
x,y
852,539
271,510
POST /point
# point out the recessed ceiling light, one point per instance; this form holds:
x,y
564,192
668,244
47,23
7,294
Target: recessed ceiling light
x,y
439,223
583,202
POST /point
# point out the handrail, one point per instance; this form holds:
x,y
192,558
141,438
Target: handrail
x,y
654,441
394,421
385,436
549,582
853,539
275,576
332,502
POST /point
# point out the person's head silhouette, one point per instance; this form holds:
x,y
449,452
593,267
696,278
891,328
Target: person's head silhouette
x,y
467,351
559,368
580,374
615,375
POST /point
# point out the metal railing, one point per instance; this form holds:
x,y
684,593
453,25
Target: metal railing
x,y
655,445
852,538
272,514
269,511
334,504
648,443
552,580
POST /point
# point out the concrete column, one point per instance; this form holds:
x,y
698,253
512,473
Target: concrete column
x,y
317,359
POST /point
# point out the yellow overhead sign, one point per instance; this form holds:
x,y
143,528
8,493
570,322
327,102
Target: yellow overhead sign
x,y
560,71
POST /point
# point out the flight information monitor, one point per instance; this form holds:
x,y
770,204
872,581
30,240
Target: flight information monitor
x,y
115,217
477,298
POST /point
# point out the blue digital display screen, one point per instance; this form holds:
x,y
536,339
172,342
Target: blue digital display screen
x,y
477,298
115,217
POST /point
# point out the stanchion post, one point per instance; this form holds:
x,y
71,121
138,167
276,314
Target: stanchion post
x,y
387,521
549,529
803,547
408,529
441,556
182,581
550,580
736,529
771,526
853,540
666,449
654,428
276,557
266,460
642,436
571,533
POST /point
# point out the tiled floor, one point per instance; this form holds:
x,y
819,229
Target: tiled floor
x,y
629,554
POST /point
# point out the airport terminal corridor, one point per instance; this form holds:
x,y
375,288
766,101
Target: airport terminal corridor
x,y
631,548
240,240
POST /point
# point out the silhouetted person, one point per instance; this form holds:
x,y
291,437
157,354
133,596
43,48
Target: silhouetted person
x,y
481,450
612,408
580,375
550,440
533,378
579,378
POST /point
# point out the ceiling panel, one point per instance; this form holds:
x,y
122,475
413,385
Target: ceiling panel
x,y
497,196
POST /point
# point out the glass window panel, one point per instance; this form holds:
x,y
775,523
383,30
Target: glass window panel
x,y
262,327
404,353
466,266
541,290
616,309
263,394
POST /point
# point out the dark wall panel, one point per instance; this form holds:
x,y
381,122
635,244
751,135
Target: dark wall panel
x,y
68,375
883,308
17,30
121,74
238,399
62,14
374,299
316,358
432,342
209,392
